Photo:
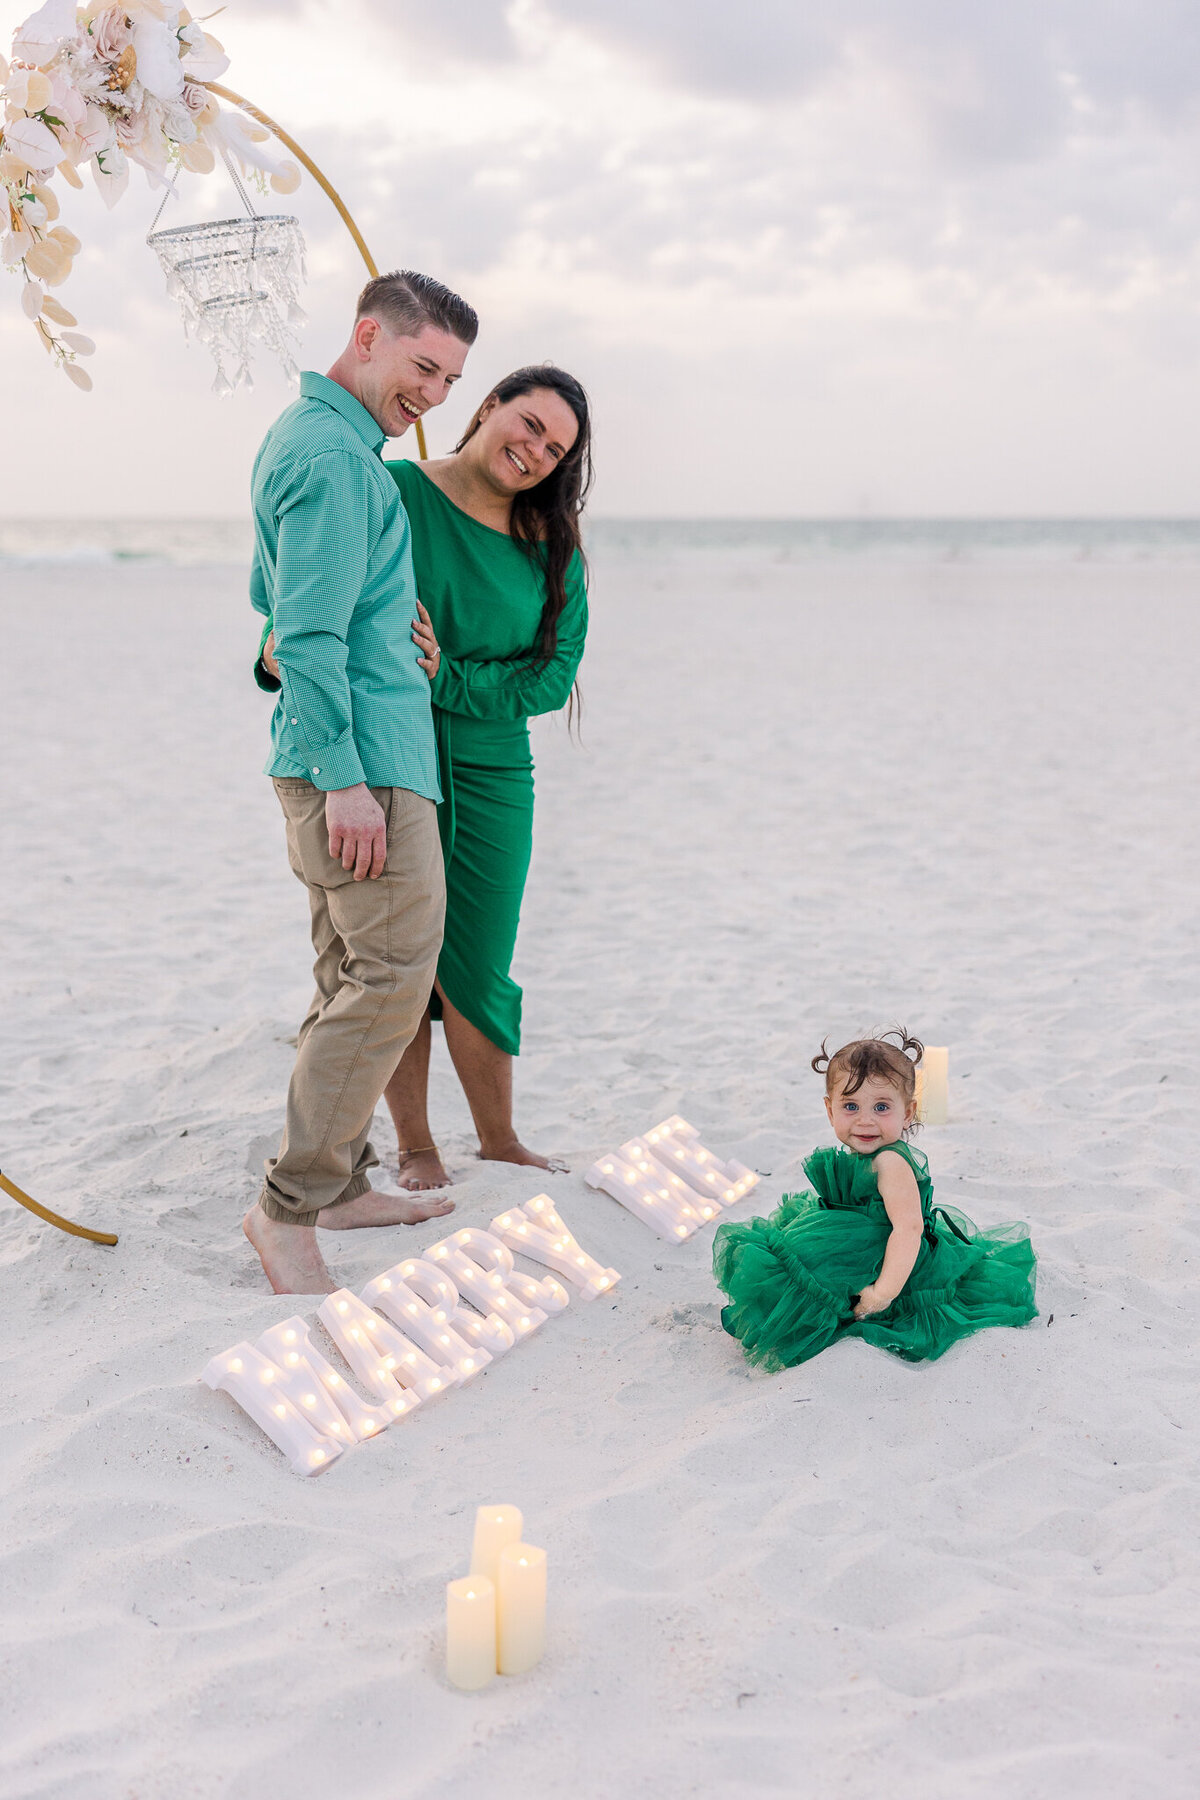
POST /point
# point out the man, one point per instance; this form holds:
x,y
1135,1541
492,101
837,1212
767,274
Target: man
x,y
353,755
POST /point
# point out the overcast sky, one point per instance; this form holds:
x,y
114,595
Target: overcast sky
x,y
852,256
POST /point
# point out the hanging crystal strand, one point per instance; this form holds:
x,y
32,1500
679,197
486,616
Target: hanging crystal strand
x,y
238,283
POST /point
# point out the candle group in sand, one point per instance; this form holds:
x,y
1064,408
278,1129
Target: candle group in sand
x,y
496,1615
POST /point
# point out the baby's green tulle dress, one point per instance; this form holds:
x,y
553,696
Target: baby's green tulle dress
x,y
792,1279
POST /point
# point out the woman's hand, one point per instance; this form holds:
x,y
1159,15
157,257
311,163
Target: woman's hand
x,y
268,657
425,641
870,1302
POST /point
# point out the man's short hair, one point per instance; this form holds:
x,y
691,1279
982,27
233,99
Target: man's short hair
x,y
406,302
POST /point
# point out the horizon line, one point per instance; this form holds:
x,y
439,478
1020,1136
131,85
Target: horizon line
x,y
671,518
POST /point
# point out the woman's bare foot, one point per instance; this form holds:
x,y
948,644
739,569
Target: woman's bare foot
x,y
289,1255
421,1170
515,1152
373,1208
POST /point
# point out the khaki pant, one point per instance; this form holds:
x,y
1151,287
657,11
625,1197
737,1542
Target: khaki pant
x,y
377,946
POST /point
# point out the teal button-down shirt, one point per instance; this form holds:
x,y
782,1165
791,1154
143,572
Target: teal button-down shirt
x,y
333,573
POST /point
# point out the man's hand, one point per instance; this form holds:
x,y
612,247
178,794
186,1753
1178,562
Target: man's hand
x,y
357,831
268,657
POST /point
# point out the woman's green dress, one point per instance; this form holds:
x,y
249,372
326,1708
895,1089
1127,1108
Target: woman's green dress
x,y
485,595
793,1279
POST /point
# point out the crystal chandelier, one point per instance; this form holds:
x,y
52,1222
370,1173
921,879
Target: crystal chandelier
x,y
238,285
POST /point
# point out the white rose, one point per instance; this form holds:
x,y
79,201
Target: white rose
x,y
199,101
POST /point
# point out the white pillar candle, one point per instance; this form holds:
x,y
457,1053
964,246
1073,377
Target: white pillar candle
x,y
520,1608
254,1382
425,1316
933,1087
536,1231
384,1360
311,1384
644,1192
480,1264
495,1528
470,1632
678,1145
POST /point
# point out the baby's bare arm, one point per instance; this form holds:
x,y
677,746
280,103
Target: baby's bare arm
x,y
901,1197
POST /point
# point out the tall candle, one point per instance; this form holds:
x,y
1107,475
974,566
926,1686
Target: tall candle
x,y
470,1632
933,1087
495,1526
520,1608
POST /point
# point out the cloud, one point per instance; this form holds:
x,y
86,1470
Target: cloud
x,y
1014,63
842,201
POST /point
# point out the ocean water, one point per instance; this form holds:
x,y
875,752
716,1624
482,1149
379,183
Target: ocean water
x,y
225,541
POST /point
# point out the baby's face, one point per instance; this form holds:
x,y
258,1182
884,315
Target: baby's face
x,y
874,1116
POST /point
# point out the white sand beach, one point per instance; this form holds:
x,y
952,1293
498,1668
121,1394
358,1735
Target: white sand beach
x,y
814,794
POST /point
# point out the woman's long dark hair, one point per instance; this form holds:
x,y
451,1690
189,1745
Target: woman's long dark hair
x,y
545,518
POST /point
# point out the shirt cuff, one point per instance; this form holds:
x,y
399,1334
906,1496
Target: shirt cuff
x,y
335,766
270,684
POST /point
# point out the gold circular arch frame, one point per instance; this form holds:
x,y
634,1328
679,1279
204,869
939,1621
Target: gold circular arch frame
x,y
289,142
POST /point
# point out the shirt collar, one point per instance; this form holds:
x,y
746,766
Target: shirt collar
x,y
319,387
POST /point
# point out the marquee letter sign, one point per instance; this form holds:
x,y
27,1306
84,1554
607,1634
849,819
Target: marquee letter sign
x,y
669,1181
254,1381
409,1336
536,1230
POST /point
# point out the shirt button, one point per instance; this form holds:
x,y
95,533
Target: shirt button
x,y
295,721
316,769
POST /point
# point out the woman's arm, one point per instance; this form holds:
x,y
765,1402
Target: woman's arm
x,y
900,1195
266,669
519,687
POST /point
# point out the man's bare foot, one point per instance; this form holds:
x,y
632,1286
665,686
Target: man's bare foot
x,y
373,1208
421,1170
514,1152
289,1255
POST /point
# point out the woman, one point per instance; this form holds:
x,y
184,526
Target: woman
x,y
496,548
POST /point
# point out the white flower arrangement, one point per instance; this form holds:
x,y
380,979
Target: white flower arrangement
x,y
107,85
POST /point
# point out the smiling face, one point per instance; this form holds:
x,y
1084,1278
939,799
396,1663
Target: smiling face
x,y
876,1115
521,441
398,378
